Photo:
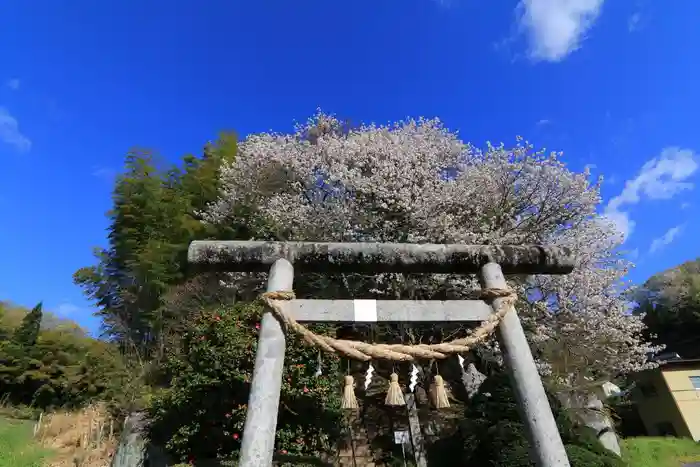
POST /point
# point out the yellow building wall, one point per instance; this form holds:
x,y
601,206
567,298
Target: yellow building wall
x,y
661,408
686,398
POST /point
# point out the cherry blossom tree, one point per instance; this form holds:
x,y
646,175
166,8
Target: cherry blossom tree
x,y
416,181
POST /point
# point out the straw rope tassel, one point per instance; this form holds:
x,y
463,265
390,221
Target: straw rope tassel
x,y
349,400
439,393
394,396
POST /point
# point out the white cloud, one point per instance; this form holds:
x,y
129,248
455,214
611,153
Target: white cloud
x,y
13,84
556,28
621,220
105,173
544,121
659,179
66,309
10,134
685,205
665,239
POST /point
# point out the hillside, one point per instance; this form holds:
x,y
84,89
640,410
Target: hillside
x,y
671,302
11,316
48,362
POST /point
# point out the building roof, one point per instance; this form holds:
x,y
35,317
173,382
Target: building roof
x,y
681,363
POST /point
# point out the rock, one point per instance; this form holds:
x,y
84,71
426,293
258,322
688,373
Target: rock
x,y
472,379
133,449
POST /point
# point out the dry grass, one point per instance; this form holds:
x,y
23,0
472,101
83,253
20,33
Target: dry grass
x,y
78,439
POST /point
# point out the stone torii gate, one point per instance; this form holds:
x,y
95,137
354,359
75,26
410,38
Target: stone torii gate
x,y
490,262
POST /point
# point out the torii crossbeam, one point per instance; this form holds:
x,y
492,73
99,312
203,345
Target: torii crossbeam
x,y
489,261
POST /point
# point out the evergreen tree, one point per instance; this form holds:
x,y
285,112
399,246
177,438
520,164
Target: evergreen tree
x,y
4,332
28,332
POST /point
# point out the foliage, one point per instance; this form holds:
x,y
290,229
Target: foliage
x,y
201,414
415,181
28,331
492,429
625,414
153,220
56,367
16,446
187,301
670,304
660,452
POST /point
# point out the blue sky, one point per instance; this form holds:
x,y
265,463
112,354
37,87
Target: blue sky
x,y
612,84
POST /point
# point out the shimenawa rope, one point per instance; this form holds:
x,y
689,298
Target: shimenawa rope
x,y
397,352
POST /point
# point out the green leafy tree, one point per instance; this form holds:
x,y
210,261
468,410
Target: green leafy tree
x,y
153,220
670,302
5,333
61,368
28,332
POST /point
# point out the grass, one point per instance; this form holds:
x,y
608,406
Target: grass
x,y
17,448
660,452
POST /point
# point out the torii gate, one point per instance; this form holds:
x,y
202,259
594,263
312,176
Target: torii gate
x,y
489,261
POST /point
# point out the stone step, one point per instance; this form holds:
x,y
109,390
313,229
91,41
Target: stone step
x,y
357,462
359,451
361,455
363,450
359,435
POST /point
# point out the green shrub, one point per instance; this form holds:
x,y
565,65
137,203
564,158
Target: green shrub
x,y
579,456
202,412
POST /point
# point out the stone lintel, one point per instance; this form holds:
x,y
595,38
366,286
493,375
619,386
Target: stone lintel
x,y
373,258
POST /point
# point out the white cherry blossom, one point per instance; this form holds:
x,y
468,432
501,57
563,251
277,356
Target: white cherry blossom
x,y
416,181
